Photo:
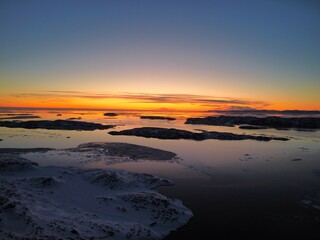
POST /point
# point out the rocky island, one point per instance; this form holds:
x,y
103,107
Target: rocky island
x,y
19,117
110,114
55,125
127,150
157,118
269,122
172,133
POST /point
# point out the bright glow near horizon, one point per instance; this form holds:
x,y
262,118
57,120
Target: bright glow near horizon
x,y
155,55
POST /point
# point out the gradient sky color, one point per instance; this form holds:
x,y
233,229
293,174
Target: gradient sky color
x,y
169,54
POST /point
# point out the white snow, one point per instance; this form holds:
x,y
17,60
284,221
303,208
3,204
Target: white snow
x,y
73,203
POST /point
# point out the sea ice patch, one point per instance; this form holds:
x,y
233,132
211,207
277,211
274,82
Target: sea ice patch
x,y
72,203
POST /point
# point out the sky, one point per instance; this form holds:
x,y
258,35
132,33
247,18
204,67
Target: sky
x,y
160,55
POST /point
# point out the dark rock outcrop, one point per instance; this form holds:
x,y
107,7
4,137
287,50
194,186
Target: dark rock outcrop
x,y
250,127
24,150
110,114
272,122
267,112
172,133
158,118
131,151
75,118
55,125
20,117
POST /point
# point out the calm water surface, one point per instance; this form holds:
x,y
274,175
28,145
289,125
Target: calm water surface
x,y
236,189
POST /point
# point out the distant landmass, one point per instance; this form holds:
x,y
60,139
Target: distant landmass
x,y
267,112
157,118
270,121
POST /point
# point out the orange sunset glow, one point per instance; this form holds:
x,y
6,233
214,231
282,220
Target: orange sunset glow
x,y
140,101
202,57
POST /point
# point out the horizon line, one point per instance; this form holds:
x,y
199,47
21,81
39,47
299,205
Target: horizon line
x,y
150,110
97,109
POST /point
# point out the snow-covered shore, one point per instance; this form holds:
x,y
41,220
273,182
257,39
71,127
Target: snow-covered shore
x,y
40,202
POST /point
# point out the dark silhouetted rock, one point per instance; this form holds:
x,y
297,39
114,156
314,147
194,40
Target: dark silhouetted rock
x,y
24,150
75,118
249,127
20,117
132,151
55,125
172,133
110,114
267,112
273,122
157,118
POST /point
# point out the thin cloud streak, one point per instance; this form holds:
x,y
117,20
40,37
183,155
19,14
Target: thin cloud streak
x,y
145,98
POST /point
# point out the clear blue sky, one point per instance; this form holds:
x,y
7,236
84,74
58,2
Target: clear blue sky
x,y
241,49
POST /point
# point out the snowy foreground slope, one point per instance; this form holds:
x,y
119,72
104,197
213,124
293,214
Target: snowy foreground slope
x,y
72,203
